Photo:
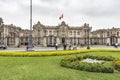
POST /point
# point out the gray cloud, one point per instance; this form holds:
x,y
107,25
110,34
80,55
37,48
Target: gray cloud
x,y
99,13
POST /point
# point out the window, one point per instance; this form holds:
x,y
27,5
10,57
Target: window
x,y
38,32
111,33
38,40
63,32
46,32
70,32
78,33
0,35
54,32
21,39
117,33
74,32
107,33
50,32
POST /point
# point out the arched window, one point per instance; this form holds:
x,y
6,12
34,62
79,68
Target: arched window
x,y
63,33
38,33
39,40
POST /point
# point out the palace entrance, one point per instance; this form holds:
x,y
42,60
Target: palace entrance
x,y
63,40
113,40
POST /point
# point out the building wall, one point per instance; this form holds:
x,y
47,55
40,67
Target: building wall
x,y
59,34
11,35
106,36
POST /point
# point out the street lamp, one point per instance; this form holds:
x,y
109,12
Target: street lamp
x,y
74,37
102,37
88,47
30,44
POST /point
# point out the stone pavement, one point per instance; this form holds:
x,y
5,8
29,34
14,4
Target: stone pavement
x,y
60,48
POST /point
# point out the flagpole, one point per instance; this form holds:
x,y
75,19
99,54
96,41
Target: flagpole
x,y
30,44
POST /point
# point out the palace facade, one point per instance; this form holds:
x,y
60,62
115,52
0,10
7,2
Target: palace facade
x,y
43,35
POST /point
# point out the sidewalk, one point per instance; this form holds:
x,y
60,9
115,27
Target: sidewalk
x,y
60,48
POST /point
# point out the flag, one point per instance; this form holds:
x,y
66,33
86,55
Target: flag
x,y
61,17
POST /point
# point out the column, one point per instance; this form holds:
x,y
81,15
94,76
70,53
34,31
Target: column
x,y
44,42
57,40
16,41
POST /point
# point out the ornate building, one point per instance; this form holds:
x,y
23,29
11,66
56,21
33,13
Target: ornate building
x,y
106,36
11,35
49,35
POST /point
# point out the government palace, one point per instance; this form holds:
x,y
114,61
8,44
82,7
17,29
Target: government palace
x,y
42,35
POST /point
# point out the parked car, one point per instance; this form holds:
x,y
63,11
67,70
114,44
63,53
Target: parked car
x,y
3,47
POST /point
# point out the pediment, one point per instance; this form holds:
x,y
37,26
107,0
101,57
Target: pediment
x,y
63,25
38,26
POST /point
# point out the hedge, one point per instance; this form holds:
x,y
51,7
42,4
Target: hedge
x,y
75,62
51,53
116,65
106,58
44,53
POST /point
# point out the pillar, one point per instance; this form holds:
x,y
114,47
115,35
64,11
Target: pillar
x,y
44,42
16,41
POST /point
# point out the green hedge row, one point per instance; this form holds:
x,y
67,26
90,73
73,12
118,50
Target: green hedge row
x,y
116,65
74,62
90,67
106,58
42,53
51,53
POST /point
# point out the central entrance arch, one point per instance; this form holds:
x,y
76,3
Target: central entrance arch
x,y
63,40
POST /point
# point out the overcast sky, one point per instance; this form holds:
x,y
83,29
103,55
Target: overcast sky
x,y
100,14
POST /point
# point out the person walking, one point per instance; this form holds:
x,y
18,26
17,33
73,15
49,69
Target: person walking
x,y
64,46
116,45
74,47
56,46
70,47
27,48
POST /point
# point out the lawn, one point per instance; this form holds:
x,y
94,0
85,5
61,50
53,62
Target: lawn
x,y
48,68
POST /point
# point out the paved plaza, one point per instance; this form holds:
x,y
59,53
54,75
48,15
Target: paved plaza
x,y
60,48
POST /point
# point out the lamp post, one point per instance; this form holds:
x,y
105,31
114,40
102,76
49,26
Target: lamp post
x,y
88,47
30,44
102,37
74,37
